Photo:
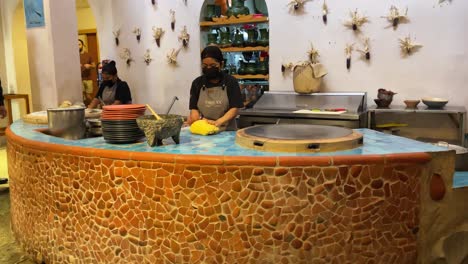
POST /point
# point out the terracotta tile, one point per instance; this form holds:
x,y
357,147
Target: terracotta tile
x,y
357,160
304,161
408,158
252,161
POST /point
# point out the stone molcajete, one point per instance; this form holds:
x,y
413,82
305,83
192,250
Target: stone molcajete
x,y
157,130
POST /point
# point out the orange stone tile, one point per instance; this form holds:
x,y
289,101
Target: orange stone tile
x,y
304,161
358,160
408,158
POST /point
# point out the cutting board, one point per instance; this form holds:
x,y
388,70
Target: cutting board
x,y
305,111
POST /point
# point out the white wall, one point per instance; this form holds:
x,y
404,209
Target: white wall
x,y
438,69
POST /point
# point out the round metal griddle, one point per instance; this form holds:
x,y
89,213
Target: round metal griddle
x,y
297,131
298,138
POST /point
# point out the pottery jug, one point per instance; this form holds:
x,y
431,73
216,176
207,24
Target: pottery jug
x,y
264,37
210,12
237,8
251,68
262,67
238,39
212,38
241,70
252,35
225,39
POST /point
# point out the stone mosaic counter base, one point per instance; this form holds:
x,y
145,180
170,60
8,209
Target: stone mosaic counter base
x,y
77,205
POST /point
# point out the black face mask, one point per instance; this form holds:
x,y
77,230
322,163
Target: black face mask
x,y
108,83
212,73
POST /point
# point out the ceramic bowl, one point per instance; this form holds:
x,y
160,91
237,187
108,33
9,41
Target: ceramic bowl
x,y
434,102
411,103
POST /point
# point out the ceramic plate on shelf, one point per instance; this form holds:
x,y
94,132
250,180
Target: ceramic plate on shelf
x,y
434,102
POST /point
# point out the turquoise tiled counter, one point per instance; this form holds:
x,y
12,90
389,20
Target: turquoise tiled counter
x,y
375,143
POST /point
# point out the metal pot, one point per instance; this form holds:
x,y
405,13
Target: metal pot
x,y
68,123
461,158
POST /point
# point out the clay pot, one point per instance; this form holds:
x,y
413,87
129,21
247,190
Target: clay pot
x,y
210,12
264,37
252,35
238,39
237,8
382,102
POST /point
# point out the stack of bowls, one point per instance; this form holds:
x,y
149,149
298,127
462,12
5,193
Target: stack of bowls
x,y
119,123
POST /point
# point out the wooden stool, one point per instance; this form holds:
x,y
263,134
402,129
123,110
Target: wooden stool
x,y
8,98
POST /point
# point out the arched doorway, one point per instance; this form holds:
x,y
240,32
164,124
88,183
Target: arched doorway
x,y
241,29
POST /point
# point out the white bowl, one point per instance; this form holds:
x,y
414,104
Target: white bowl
x,y
434,102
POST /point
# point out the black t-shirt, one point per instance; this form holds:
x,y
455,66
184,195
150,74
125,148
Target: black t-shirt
x,y
232,86
122,92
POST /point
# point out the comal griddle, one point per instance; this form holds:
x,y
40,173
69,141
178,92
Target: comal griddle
x,y
298,138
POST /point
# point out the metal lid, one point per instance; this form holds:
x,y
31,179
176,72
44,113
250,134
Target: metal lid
x,y
72,108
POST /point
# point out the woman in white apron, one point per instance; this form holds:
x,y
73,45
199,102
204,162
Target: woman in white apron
x,y
215,96
112,90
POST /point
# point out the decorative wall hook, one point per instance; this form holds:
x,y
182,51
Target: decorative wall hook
x,y
297,4
116,36
313,54
147,57
157,35
137,33
395,17
126,55
366,49
172,56
408,46
184,37
356,20
324,12
348,51
172,12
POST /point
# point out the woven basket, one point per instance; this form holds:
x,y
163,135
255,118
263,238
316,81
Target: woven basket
x,y
308,78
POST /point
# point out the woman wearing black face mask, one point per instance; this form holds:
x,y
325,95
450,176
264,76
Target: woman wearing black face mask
x,y
215,96
112,89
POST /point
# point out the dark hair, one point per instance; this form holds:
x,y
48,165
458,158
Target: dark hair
x,y
212,52
82,43
109,68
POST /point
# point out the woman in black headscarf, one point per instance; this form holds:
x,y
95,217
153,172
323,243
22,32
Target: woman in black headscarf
x,y
112,90
215,96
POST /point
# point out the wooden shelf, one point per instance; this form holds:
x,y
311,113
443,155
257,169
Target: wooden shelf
x,y
245,49
251,76
233,21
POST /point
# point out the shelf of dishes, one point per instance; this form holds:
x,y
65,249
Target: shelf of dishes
x,y
244,49
251,76
234,21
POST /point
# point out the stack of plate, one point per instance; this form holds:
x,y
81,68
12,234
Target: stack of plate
x,y
119,123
